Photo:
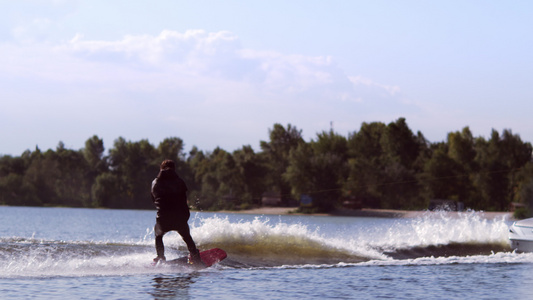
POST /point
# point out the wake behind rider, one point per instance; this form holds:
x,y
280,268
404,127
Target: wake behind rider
x,y
169,194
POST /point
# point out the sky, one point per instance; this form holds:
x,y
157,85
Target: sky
x,y
222,73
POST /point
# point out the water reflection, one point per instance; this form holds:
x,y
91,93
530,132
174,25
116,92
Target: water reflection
x,y
172,286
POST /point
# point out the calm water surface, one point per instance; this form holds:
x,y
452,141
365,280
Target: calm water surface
x,y
58,253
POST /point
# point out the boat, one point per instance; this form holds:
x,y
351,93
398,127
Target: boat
x,y
521,235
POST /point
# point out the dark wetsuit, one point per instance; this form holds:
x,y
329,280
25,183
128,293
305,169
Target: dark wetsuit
x,y
169,194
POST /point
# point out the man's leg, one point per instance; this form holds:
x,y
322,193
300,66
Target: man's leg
x,y
159,246
185,233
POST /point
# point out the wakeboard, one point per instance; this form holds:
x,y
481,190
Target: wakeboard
x,y
208,257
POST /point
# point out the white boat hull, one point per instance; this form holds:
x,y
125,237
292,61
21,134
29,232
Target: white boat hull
x,y
522,245
521,235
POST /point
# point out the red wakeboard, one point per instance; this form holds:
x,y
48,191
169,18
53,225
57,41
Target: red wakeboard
x,y
209,258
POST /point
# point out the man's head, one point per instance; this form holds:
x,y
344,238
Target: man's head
x,y
168,164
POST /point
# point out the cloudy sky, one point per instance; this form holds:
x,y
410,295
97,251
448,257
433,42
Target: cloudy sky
x,y
222,73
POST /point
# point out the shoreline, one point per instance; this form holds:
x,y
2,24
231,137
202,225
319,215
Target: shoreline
x,y
365,212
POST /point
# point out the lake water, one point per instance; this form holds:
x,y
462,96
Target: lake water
x,y
58,253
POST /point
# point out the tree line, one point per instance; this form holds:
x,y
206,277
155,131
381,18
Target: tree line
x,y
379,166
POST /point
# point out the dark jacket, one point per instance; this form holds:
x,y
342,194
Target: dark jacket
x,y
169,194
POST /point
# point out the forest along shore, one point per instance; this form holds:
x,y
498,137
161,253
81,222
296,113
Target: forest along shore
x,y
365,212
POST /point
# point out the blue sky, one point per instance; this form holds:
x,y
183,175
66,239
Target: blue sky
x,y
222,73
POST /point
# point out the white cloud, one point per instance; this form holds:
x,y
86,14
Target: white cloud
x,y
217,57
187,81
26,21
35,29
392,90
196,62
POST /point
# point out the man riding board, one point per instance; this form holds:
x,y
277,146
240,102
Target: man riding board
x,y
169,194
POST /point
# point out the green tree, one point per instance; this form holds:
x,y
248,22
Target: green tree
x,y
14,190
319,169
197,166
226,180
134,166
252,170
449,172
384,163
366,164
94,155
524,189
171,148
97,164
384,166
461,148
444,177
41,175
499,160
276,153
13,165
401,152
73,183
107,191
212,172
399,144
